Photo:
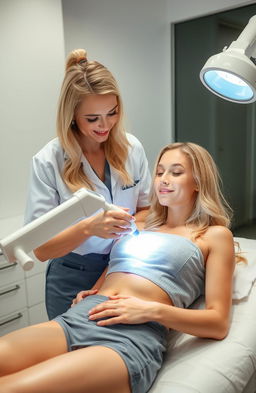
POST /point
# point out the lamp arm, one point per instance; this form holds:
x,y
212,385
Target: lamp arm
x,y
247,39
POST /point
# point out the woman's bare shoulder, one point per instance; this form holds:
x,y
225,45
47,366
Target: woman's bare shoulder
x,y
218,234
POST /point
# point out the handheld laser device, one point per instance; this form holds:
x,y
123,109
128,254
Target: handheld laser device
x,y
83,203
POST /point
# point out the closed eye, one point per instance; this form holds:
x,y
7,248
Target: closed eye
x,y
172,173
92,120
96,118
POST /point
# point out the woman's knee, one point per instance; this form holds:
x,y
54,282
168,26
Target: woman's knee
x,y
8,356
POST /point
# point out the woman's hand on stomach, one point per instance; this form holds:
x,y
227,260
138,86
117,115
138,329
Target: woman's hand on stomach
x,y
132,299
123,309
83,294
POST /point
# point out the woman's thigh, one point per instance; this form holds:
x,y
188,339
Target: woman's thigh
x,y
33,344
88,370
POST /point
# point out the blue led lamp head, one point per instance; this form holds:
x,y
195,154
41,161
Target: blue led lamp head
x,y
231,74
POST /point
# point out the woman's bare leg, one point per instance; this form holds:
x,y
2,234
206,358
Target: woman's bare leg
x,y
31,345
88,370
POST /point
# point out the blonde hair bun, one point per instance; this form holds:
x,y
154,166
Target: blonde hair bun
x,y
75,57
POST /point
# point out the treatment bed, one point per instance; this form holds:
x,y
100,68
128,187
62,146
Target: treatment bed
x,y
199,365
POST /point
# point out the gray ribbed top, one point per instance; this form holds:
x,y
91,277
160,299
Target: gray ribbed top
x,y
172,262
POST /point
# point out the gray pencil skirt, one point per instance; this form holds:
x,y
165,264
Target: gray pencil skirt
x,y
140,346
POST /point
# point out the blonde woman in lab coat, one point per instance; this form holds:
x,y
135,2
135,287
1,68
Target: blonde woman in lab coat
x,y
91,150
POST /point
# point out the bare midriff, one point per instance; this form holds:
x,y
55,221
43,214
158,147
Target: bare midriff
x,y
128,284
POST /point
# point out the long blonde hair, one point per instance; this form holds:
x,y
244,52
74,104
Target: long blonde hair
x,y
210,207
84,77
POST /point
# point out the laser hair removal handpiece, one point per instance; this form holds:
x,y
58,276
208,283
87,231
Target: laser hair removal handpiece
x,y
83,203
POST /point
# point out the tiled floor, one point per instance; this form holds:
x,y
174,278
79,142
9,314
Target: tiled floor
x,y
248,231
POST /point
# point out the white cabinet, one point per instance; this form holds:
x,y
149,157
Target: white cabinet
x,y
13,297
35,287
21,293
13,321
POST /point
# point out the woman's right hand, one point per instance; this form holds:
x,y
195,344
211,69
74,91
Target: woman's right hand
x,y
82,294
110,224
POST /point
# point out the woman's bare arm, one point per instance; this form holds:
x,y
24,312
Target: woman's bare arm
x,y
213,321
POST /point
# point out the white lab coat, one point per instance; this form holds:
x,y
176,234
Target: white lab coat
x,y
47,188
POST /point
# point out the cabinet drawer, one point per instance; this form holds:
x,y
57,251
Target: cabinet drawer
x,y
13,321
12,298
35,289
9,272
37,314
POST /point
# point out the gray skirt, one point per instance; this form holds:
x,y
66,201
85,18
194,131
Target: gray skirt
x,y
140,346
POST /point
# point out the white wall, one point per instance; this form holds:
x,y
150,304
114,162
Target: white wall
x,y
132,39
31,69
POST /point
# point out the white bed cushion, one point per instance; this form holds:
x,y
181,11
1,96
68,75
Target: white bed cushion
x,y
197,365
245,273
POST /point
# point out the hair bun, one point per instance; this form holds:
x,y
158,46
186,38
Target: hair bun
x,y
75,57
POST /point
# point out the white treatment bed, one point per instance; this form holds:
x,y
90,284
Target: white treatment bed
x,y
197,365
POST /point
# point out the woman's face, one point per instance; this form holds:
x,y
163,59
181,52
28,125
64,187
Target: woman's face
x,y
96,115
174,181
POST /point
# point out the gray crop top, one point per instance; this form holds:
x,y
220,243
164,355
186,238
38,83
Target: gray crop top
x,y
172,262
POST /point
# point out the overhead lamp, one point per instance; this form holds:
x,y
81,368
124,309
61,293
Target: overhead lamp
x,y
231,74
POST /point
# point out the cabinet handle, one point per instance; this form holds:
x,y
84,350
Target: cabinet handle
x,y
11,319
11,289
8,265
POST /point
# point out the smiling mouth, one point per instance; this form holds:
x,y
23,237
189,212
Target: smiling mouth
x,y
165,191
101,133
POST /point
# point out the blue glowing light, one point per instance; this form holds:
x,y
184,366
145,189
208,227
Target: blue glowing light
x,y
136,232
228,85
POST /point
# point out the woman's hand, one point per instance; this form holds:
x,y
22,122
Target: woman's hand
x,y
128,310
82,294
110,224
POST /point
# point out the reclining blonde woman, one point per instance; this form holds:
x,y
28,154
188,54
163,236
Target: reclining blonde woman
x,y
113,339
